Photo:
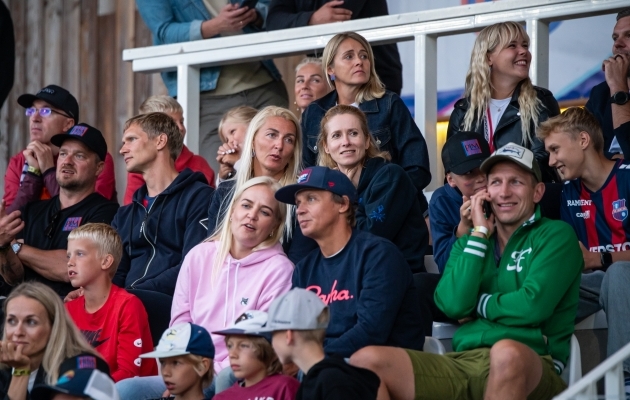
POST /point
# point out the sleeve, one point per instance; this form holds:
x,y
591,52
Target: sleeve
x,y
134,182
281,282
106,181
538,146
215,209
28,191
201,165
50,181
309,158
456,294
133,320
544,287
410,144
387,203
455,120
125,262
12,180
442,230
159,17
285,14
195,233
377,302
180,310
622,133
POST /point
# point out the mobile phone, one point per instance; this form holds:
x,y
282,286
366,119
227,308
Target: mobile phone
x,y
487,209
249,3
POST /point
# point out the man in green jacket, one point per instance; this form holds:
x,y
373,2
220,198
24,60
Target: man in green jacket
x,y
513,284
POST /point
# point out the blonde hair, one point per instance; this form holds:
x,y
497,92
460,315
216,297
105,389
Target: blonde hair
x,y
197,364
264,353
65,339
160,103
373,88
316,335
155,124
573,121
223,232
240,115
324,159
478,83
105,238
309,60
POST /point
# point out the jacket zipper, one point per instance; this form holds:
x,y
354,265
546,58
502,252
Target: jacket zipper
x,y
146,268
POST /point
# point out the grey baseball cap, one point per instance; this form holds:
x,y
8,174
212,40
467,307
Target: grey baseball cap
x,y
297,309
517,154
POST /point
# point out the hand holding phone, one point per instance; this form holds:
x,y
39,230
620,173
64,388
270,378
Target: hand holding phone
x,y
249,3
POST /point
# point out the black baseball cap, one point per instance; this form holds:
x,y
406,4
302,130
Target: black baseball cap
x,y
319,178
86,134
56,96
464,152
84,375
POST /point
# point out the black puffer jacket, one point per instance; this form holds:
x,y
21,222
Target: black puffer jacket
x,y
509,127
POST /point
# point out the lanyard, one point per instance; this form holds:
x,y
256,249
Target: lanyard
x,y
489,130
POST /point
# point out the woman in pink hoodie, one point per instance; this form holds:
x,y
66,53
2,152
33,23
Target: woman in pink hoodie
x,y
240,268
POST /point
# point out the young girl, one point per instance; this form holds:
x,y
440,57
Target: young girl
x,y
232,129
254,363
185,354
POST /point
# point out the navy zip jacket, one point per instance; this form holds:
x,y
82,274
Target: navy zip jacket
x,y
155,241
371,294
389,208
600,104
444,214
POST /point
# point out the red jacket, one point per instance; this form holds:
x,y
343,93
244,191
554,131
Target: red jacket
x,y
119,331
185,160
18,191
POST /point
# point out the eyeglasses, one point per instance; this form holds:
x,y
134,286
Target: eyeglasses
x,y
51,227
44,112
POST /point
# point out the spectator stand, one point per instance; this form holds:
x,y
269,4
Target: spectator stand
x,y
422,27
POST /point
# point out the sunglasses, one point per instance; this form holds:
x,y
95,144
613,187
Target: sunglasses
x,y
50,229
44,112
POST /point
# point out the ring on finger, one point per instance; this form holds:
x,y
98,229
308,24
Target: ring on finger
x,y
618,55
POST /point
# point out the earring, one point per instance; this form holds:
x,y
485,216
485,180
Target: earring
x,y
253,153
271,234
332,77
230,219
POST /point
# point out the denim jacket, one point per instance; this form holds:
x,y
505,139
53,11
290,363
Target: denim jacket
x,y
174,21
393,129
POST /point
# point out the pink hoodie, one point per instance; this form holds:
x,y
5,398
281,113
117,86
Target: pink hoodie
x,y
242,285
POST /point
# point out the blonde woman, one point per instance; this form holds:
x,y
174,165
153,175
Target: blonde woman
x,y
272,148
38,336
232,129
500,101
310,83
388,206
349,65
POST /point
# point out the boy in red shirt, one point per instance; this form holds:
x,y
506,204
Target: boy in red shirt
x,y
113,321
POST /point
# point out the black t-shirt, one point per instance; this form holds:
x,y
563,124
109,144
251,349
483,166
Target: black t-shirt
x,y
46,227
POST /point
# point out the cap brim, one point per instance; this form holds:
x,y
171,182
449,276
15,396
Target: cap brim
x,y
164,354
45,392
260,333
467,166
26,100
287,194
59,138
487,165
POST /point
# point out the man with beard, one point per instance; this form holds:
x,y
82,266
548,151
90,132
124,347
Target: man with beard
x,y
33,240
610,100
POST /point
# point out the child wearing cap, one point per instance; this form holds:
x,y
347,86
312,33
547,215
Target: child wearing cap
x,y
254,362
185,354
298,320
84,376
112,320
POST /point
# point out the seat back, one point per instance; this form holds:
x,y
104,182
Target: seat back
x,y
433,346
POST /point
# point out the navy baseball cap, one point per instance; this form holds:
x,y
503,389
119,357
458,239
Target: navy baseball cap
x,y
464,152
55,96
322,178
86,134
182,339
85,375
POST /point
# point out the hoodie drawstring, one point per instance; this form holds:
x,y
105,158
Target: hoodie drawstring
x,y
238,265
227,290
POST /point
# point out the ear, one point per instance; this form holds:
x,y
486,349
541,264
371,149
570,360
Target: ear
x,y
289,338
330,70
107,262
161,141
207,364
345,206
450,180
100,167
326,147
68,124
584,139
539,191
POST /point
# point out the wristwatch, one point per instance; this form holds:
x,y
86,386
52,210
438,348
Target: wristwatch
x,y
620,98
16,247
605,257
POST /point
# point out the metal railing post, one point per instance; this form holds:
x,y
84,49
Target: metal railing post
x,y
188,97
538,32
425,103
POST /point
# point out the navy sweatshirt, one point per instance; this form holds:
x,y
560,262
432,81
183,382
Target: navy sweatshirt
x,y
156,240
444,215
389,208
370,291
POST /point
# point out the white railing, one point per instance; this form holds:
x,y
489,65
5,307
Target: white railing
x,y
611,370
423,27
